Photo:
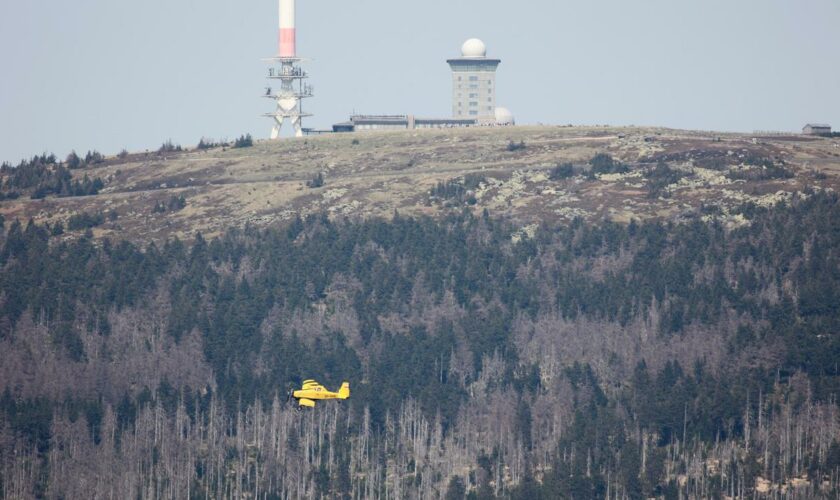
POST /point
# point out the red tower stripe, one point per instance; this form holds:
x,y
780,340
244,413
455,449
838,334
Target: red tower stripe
x,y
287,42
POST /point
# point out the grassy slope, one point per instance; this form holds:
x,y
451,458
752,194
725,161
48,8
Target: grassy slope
x,y
387,171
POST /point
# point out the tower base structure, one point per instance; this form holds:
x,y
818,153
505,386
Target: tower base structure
x,y
289,96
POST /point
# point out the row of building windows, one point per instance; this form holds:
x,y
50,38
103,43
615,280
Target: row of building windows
x,y
473,78
475,111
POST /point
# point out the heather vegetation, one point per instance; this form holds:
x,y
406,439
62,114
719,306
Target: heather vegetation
x,y
761,173
588,361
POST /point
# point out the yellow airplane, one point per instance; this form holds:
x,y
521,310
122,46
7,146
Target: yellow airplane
x,y
312,391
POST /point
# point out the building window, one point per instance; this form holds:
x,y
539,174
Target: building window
x,y
473,96
473,104
473,78
473,113
473,86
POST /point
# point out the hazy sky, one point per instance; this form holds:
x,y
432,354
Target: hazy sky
x,y
108,74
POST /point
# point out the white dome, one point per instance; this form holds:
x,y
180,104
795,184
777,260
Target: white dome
x,y
504,117
474,48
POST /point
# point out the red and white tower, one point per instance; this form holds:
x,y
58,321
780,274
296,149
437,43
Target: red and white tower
x,y
288,37
285,68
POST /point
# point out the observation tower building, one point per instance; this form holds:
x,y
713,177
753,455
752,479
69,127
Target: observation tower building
x,y
474,83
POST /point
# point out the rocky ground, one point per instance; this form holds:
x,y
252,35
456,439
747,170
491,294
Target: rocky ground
x,y
376,173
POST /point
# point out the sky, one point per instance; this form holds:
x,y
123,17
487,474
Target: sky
x,y
113,74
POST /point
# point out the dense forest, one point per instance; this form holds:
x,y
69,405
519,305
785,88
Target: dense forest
x,y
588,361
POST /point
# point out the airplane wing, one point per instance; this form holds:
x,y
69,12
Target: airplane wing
x,y
306,402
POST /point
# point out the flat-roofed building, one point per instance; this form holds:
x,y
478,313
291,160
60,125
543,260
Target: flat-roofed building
x,y
816,129
444,122
379,122
359,123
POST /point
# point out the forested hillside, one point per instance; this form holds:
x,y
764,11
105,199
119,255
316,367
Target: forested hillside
x,y
591,359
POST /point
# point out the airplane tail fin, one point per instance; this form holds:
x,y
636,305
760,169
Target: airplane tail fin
x,y
344,392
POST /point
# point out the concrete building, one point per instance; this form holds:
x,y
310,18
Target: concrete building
x,y
379,122
473,98
474,83
817,129
359,123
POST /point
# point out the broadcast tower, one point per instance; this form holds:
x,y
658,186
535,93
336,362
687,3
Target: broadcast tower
x,y
285,67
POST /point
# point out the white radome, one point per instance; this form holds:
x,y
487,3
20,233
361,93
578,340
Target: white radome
x,y
473,48
504,117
